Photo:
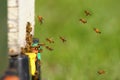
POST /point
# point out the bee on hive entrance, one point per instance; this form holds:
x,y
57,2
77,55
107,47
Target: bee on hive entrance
x,y
50,40
49,48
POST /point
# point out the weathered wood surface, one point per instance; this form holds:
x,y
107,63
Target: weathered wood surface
x,y
19,13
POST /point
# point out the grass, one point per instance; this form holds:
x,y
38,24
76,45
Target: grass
x,y
85,51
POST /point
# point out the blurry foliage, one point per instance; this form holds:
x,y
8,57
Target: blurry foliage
x,y
85,52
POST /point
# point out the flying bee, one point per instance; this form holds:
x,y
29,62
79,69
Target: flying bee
x,y
97,30
49,48
40,19
87,13
101,72
41,44
50,40
83,21
63,39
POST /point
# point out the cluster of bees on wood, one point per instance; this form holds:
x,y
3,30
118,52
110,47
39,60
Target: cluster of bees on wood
x,y
82,20
29,39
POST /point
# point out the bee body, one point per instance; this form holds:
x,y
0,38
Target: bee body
x,y
63,39
87,13
50,40
49,48
101,72
40,18
97,30
83,21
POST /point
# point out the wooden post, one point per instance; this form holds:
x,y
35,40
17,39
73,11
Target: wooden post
x,y
19,13
3,36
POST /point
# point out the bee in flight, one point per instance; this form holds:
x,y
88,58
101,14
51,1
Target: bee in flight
x,y
83,21
40,19
87,13
101,72
63,39
49,48
97,30
41,44
50,40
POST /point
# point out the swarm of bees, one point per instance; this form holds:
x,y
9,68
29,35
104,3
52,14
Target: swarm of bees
x,y
29,40
96,30
87,13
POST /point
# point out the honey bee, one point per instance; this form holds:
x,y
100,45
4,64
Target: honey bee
x,y
40,19
49,48
97,30
87,13
23,50
50,40
41,44
28,27
63,39
29,30
83,21
27,47
101,72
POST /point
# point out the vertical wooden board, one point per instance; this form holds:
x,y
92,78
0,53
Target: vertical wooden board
x,y
26,14
3,36
13,27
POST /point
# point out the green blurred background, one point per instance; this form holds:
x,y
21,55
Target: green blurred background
x,y
3,36
85,52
